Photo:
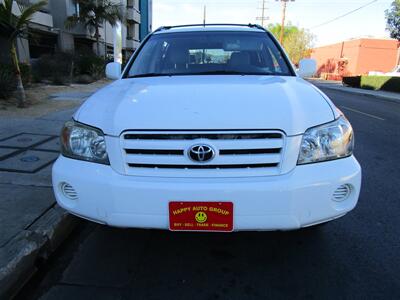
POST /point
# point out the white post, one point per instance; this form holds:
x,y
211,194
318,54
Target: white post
x,y
118,43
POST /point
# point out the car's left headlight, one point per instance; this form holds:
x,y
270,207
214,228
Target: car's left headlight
x,y
83,142
327,142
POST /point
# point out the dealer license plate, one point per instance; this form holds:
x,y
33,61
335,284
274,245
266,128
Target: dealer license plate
x,y
201,216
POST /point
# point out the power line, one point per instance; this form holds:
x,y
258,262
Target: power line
x,y
344,15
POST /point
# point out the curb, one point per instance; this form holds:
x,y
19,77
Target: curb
x,y
348,90
18,257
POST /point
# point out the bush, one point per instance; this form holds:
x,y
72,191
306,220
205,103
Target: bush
x,y
26,74
384,83
84,79
59,67
87,63
8,82
353,81
55,67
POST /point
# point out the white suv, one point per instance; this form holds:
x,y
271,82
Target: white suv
x,y
208,128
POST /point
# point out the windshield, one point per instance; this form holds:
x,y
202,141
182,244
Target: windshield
x,y
197,53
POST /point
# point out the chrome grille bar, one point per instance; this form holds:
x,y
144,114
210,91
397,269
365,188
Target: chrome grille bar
x,y
241,153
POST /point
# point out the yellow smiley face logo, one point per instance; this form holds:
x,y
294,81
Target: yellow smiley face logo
x,y
201,217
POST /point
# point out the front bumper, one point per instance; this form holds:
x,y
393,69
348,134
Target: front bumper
x,y
298,199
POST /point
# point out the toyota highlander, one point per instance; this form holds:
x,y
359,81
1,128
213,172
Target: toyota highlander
x,y
208,128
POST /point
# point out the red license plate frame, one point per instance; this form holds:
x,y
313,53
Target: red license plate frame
x,y
201,216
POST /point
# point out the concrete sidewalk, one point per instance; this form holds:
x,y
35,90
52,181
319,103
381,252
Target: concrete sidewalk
x,y
32,226
337,85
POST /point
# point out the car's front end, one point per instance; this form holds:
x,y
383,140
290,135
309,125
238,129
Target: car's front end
x,y
212,152
285,196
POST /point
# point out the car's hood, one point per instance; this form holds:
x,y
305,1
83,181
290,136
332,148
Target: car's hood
x,y
217,102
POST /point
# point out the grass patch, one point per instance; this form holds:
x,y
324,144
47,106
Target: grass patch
x,y
383,83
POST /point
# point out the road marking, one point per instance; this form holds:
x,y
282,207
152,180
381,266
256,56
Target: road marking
x,y
363,113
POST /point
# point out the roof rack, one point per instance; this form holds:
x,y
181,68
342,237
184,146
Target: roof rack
x,y
211,24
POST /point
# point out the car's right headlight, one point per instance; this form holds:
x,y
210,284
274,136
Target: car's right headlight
x,y
83,142
327,142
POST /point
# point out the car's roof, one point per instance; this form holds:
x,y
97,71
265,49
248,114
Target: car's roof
x,y
209,27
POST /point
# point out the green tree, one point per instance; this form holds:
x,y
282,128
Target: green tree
x,y
14,26
93,14
275,29
393,20
297,42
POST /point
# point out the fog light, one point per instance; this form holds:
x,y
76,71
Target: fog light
x,y
68,191
342,193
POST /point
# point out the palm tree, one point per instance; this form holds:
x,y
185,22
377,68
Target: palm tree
x,y
14,26
93,13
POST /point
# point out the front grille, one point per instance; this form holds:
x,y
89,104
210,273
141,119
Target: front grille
x,y
209,136
154,151
164,166
241,153
249,151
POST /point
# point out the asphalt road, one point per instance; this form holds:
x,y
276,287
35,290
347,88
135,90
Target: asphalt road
x,y
356,256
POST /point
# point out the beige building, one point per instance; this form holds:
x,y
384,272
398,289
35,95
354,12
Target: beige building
x,y
50,34
356,57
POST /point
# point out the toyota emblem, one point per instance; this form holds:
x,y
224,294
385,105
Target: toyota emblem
x,y
201,153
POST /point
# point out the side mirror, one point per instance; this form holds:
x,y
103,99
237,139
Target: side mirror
x,y
113,70
307,67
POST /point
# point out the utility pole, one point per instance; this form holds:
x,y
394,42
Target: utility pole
x,y
263,9
204,15
284,3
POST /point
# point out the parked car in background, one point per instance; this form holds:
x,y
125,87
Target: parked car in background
x,y
394,73
208,128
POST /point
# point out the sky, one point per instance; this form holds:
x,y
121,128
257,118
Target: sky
x,y
367,22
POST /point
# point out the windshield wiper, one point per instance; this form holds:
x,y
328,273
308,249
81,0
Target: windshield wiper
x,y
216,72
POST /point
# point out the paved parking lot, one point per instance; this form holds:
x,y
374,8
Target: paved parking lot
x,y
356,256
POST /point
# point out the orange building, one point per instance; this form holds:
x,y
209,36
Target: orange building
x,y
356,57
